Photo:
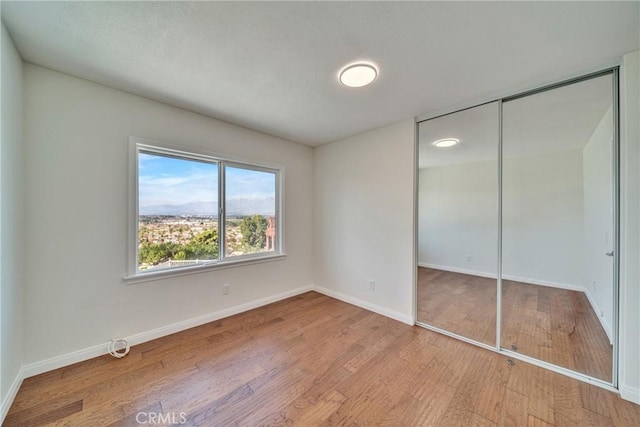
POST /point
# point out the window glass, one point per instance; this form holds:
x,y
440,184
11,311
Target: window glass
x,y
177,211
250,211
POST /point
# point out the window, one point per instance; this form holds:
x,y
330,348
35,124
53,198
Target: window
x,y
195,210
250,201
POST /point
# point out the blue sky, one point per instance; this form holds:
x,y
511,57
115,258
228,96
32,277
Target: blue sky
x,y
170,181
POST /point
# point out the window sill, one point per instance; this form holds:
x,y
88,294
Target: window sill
x,y
184,271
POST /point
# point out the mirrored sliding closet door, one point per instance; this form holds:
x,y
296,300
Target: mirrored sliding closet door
x,y
558,228
458,223
518,198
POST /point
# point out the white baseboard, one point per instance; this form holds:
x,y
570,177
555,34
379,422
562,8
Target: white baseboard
x,y
547,283
596,310
458,270
36,368
396,315
522,279
11,394
629,393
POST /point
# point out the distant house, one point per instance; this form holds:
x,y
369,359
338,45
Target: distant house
x,y
271,233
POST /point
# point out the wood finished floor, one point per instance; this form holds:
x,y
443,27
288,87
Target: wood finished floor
x,y
554,325
312,360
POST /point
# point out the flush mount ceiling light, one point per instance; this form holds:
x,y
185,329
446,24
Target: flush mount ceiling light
x,y
358,75
446,142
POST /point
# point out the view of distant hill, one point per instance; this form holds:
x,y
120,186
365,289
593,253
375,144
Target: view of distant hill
x,y
237,206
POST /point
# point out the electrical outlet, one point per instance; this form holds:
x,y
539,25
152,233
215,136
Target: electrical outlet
x,y
468,257
601,313
372,285
225,289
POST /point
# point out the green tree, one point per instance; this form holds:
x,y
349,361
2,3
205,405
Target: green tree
x,y
202,246
254,231
155,254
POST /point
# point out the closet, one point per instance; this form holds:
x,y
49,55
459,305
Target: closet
x,y
518,229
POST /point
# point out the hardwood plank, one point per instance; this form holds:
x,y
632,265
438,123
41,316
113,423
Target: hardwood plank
x,y
480,421
567,398
596,420
537,422
555,325
515,409
133,419
313,360
492,391
225,405
24,420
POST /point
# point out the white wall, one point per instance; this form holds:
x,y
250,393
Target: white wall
x,y
542,218
598,220
630,228
11,223
458,217
76,222
363,216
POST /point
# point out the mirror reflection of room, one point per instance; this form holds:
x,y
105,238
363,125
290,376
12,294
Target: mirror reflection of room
x,y
458,222
558,226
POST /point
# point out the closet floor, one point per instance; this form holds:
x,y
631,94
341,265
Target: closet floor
x,y
555,325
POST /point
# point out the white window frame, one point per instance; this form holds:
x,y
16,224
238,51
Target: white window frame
x,y
137,145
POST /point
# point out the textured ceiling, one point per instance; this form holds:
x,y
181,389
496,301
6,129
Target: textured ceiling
x,y
272,66
557,120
